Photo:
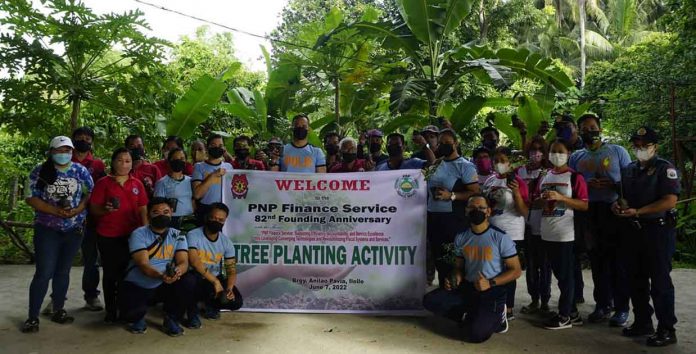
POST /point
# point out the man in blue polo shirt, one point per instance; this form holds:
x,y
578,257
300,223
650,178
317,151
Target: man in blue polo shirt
x,y
159,259
300,155
489,259
600,164
395,149
207,177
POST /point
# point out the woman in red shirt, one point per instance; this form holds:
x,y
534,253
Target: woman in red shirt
x,y
119,201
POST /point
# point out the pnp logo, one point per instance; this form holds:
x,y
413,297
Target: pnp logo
x,y
240,186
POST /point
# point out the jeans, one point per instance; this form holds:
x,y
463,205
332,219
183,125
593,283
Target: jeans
x,y
115,256
562,258
90,258
538,270
133,299
484,310
54,252
441,230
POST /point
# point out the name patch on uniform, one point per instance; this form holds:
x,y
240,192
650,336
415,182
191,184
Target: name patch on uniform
x,y
672,173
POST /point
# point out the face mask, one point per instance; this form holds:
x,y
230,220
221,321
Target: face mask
x,y
557,159
535,156
241,154
199,156
444,150
137,153
483,165
61,159
502,168
490,144
177,165
82,146
160,221
644,154
590,138
331,149
375,147
299,133
565,133
215,152
348,157
477,217
394,150
213,226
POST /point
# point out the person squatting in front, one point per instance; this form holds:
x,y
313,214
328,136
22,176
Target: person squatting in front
x,y
213,260
159,259
489,261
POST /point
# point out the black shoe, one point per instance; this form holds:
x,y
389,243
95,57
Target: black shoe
x,y
111,318
662,338
31,325
580,300
62,317
637,330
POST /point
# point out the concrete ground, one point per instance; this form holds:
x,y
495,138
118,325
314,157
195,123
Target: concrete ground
x,y
317,333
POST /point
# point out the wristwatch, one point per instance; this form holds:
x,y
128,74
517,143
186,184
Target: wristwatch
x,y
453,197
492,282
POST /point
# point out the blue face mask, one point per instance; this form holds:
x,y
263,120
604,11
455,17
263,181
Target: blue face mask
x,y
61,159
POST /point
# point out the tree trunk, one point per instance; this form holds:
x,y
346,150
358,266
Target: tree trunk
x,y
337,98
583,56
483,24
75,114
559,13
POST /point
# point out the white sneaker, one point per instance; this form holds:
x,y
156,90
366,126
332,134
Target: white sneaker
x,y
48,310
504,325
93,304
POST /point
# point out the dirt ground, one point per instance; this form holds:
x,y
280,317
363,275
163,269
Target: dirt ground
x,y
318,333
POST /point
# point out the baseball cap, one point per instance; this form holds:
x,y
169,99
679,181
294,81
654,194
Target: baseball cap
x,y
61,141
275,140
563,119
374,133
430,129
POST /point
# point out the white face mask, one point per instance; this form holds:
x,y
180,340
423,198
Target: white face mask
x,y
502,168
644,154
557,159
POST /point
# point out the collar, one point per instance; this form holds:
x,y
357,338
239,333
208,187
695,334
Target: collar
x,y
299,147
88,157
483,232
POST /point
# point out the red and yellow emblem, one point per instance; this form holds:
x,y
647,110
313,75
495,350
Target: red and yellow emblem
x,y
240,186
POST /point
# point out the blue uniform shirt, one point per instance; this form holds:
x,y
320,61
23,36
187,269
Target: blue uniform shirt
x,y
160,251
607,161
302,159
200,171
211,253
643,186
408,164
485,252
168,187
447,174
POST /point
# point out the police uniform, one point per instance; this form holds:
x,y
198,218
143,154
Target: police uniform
x,y
649,244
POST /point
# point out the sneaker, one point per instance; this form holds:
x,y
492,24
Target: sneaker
x,y
211,313
510,315
194,322
138,327
31,325
662,338
171,328
93,304
504,324
558,322
576,319
637,330
62,317
48,310
599,315
620,319
531,308
544,309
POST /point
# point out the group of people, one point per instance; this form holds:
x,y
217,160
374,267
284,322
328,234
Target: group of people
x,y
577,194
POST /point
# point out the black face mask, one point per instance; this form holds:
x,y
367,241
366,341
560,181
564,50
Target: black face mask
x,y
375,147
490,144
137,153
160,221
477,217
241,154
394,150
299,133
348,157
331,149
177,165
589,138
216,152
82,146
213,226
444,150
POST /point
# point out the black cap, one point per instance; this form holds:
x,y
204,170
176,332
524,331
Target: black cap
x,y
562,119
645,134
430,129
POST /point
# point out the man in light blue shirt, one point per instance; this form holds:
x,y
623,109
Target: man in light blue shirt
x,y
207,177
395,149
300,155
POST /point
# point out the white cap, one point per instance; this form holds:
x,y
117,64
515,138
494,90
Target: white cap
x,y
61,141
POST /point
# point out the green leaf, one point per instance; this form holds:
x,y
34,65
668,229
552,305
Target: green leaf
x,y
466,111
401,121
333,19
267,58
457,11
231,71
261,110
194,107
316,124
503,122
445,110
405,94
529,112
581,109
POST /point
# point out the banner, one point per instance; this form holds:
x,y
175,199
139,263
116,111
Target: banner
x,y
342,243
